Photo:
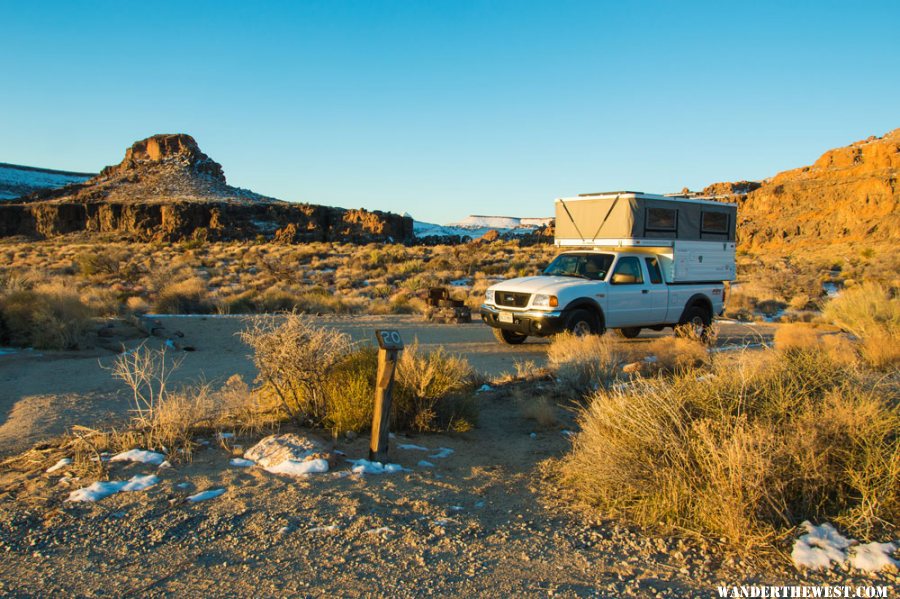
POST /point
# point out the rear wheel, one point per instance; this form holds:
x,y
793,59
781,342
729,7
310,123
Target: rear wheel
x,y
509,337
630,332
583,322
696,323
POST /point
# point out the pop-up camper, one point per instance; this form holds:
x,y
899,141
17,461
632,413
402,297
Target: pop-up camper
x,y
695,239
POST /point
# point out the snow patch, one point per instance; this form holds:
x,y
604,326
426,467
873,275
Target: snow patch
x,y
367,467
410,446
425,464
102,489
822,546
139,455
59,465
442,452
241,463
329,528
204,495
873,557
295,468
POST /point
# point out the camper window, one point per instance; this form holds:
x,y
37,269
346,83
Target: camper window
x,y
714,222
662,219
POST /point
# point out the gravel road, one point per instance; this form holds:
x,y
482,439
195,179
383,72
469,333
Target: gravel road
x,y
44,393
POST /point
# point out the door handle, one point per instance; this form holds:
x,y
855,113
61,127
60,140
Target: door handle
x,y
645,291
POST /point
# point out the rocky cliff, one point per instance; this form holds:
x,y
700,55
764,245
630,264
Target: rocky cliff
x,y
849,194
167,189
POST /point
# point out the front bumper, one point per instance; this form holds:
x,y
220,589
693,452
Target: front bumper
x,y
529,322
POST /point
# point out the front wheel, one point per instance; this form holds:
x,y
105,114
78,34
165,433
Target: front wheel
x,y
509,337
630,332
696,323
583,322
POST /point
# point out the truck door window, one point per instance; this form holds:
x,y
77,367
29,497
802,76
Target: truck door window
x,y
628,272
653,269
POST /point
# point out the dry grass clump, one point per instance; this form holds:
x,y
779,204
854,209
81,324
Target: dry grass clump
x,y
677,354
188,296
167,419
746,452
433,390
871,312
47,316
584,364
539,408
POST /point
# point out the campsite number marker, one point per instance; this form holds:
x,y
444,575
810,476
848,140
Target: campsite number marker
x,y
389,345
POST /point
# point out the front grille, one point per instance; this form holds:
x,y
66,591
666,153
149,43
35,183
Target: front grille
x,y
511,299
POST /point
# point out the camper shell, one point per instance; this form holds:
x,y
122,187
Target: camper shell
x,y
694,238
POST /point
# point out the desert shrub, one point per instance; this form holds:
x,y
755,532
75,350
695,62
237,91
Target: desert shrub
x,y
137,305
164,418
188,296
790,337
433,390
103,262
350,392
745,452
295,359
870,312
677,354
50,316
584,364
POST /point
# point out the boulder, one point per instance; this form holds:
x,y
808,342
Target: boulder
x,y
275,449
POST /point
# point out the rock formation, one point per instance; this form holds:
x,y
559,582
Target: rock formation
x,y
849,194
167,189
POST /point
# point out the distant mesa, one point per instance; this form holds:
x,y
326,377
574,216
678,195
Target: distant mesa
x,y
167,189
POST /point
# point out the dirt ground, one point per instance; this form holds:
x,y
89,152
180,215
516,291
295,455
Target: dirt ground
x,y
44,393
481,522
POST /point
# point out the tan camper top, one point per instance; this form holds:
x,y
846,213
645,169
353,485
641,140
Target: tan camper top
x,y
632,215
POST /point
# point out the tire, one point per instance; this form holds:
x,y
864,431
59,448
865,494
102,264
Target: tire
x,y
583,322
696,322
630,332
509,337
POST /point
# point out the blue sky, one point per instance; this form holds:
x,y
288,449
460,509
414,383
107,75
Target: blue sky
x,y
447,108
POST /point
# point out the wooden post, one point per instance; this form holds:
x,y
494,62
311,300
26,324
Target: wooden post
x,y
389,345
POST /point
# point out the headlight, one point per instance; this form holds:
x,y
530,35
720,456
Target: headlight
x,y
545,301
489,296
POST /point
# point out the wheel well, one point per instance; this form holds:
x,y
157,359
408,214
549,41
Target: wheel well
x,y
700,301
587,304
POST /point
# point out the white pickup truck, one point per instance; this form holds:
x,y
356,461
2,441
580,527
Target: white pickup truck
x,y
590,291
632,261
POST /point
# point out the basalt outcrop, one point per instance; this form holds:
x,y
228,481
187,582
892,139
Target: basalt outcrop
x,y
166,189
850,194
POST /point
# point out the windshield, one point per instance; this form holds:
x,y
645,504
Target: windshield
x,y
584,266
